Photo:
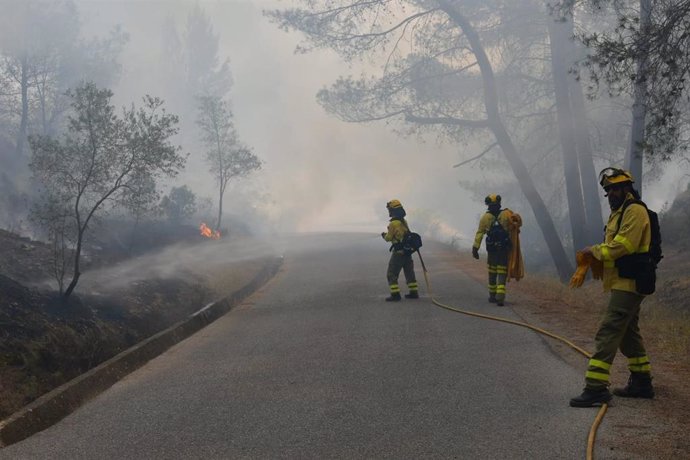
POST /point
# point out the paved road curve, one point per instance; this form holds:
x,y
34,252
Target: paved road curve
x,y
317,365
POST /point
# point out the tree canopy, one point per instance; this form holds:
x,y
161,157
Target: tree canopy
x,y
102,160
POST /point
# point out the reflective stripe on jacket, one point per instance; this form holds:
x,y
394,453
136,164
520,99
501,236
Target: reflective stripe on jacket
x,y
634,235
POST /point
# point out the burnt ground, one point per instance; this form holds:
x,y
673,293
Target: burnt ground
x,y
660,429
45,342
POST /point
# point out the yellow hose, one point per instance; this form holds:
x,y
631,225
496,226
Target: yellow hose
x,y
602,410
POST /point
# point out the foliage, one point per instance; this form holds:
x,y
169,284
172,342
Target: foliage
x,y
103,160
179,204
191,63
663,46
42,55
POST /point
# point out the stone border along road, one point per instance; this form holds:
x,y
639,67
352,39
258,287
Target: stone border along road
x,y
60,402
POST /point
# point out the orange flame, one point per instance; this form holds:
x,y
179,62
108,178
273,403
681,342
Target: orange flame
x,y
207,232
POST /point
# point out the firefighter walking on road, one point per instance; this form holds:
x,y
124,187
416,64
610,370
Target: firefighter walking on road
x,y
400,260
628,236
495,223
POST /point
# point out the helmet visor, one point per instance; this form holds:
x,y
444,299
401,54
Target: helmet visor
x,y
614,176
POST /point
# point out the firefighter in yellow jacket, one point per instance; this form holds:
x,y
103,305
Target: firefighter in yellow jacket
x,y
495,223
627,232
397,229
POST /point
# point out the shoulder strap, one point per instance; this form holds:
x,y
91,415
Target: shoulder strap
x,y
625,206
495,216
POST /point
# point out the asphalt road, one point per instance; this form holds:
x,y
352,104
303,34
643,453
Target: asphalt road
x,y
317,365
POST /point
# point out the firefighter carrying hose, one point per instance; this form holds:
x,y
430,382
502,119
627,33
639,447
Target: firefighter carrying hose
x,y
400,260
496,224
628,235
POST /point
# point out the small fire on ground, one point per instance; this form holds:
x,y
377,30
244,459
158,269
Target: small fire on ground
x,y
208,233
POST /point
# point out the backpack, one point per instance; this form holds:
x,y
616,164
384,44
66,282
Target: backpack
x,y
497,238
642,266
411,242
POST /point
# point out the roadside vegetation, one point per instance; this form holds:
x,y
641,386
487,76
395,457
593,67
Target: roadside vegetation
x,y
43,344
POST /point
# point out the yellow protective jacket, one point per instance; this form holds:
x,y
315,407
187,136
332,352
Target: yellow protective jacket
x,y
485,223
512,222
397,229
634,235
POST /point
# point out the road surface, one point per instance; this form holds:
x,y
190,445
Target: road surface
x,y
317,365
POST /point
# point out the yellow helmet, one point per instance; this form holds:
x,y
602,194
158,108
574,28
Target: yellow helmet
x,y
492,199
393,204
614,176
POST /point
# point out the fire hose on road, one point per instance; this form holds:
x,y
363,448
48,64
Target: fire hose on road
x,y
600,415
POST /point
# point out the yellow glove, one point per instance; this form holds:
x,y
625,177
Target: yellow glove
x,y
583,262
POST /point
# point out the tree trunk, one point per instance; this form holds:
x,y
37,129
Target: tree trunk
x,y
77,273
635,153
220,207
541,213
588,174
21,135
558,38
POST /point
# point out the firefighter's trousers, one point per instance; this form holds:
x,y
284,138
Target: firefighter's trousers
x,y
497,263
618,330
401,261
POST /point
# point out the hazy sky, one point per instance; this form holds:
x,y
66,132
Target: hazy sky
x,y
320,173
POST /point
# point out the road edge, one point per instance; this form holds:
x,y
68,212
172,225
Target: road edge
x,y
65,399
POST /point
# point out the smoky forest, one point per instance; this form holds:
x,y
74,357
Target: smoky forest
x,y
147,148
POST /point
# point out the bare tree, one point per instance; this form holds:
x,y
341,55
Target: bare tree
x,y
227,157
102,156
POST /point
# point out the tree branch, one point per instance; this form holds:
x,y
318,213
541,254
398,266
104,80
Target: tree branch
x,y
486,150
474,124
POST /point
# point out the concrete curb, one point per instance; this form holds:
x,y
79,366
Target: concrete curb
x,y
60,402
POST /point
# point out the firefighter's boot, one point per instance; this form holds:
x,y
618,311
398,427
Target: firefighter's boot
x,y
412,295
394,297
492,298
639,386
591,398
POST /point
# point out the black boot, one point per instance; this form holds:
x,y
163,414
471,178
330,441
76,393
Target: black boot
x,y
394,297
492,298
412,295
639,386
591,398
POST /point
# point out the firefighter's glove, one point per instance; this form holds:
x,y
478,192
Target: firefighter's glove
x,y
383,235
584,260
475,252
